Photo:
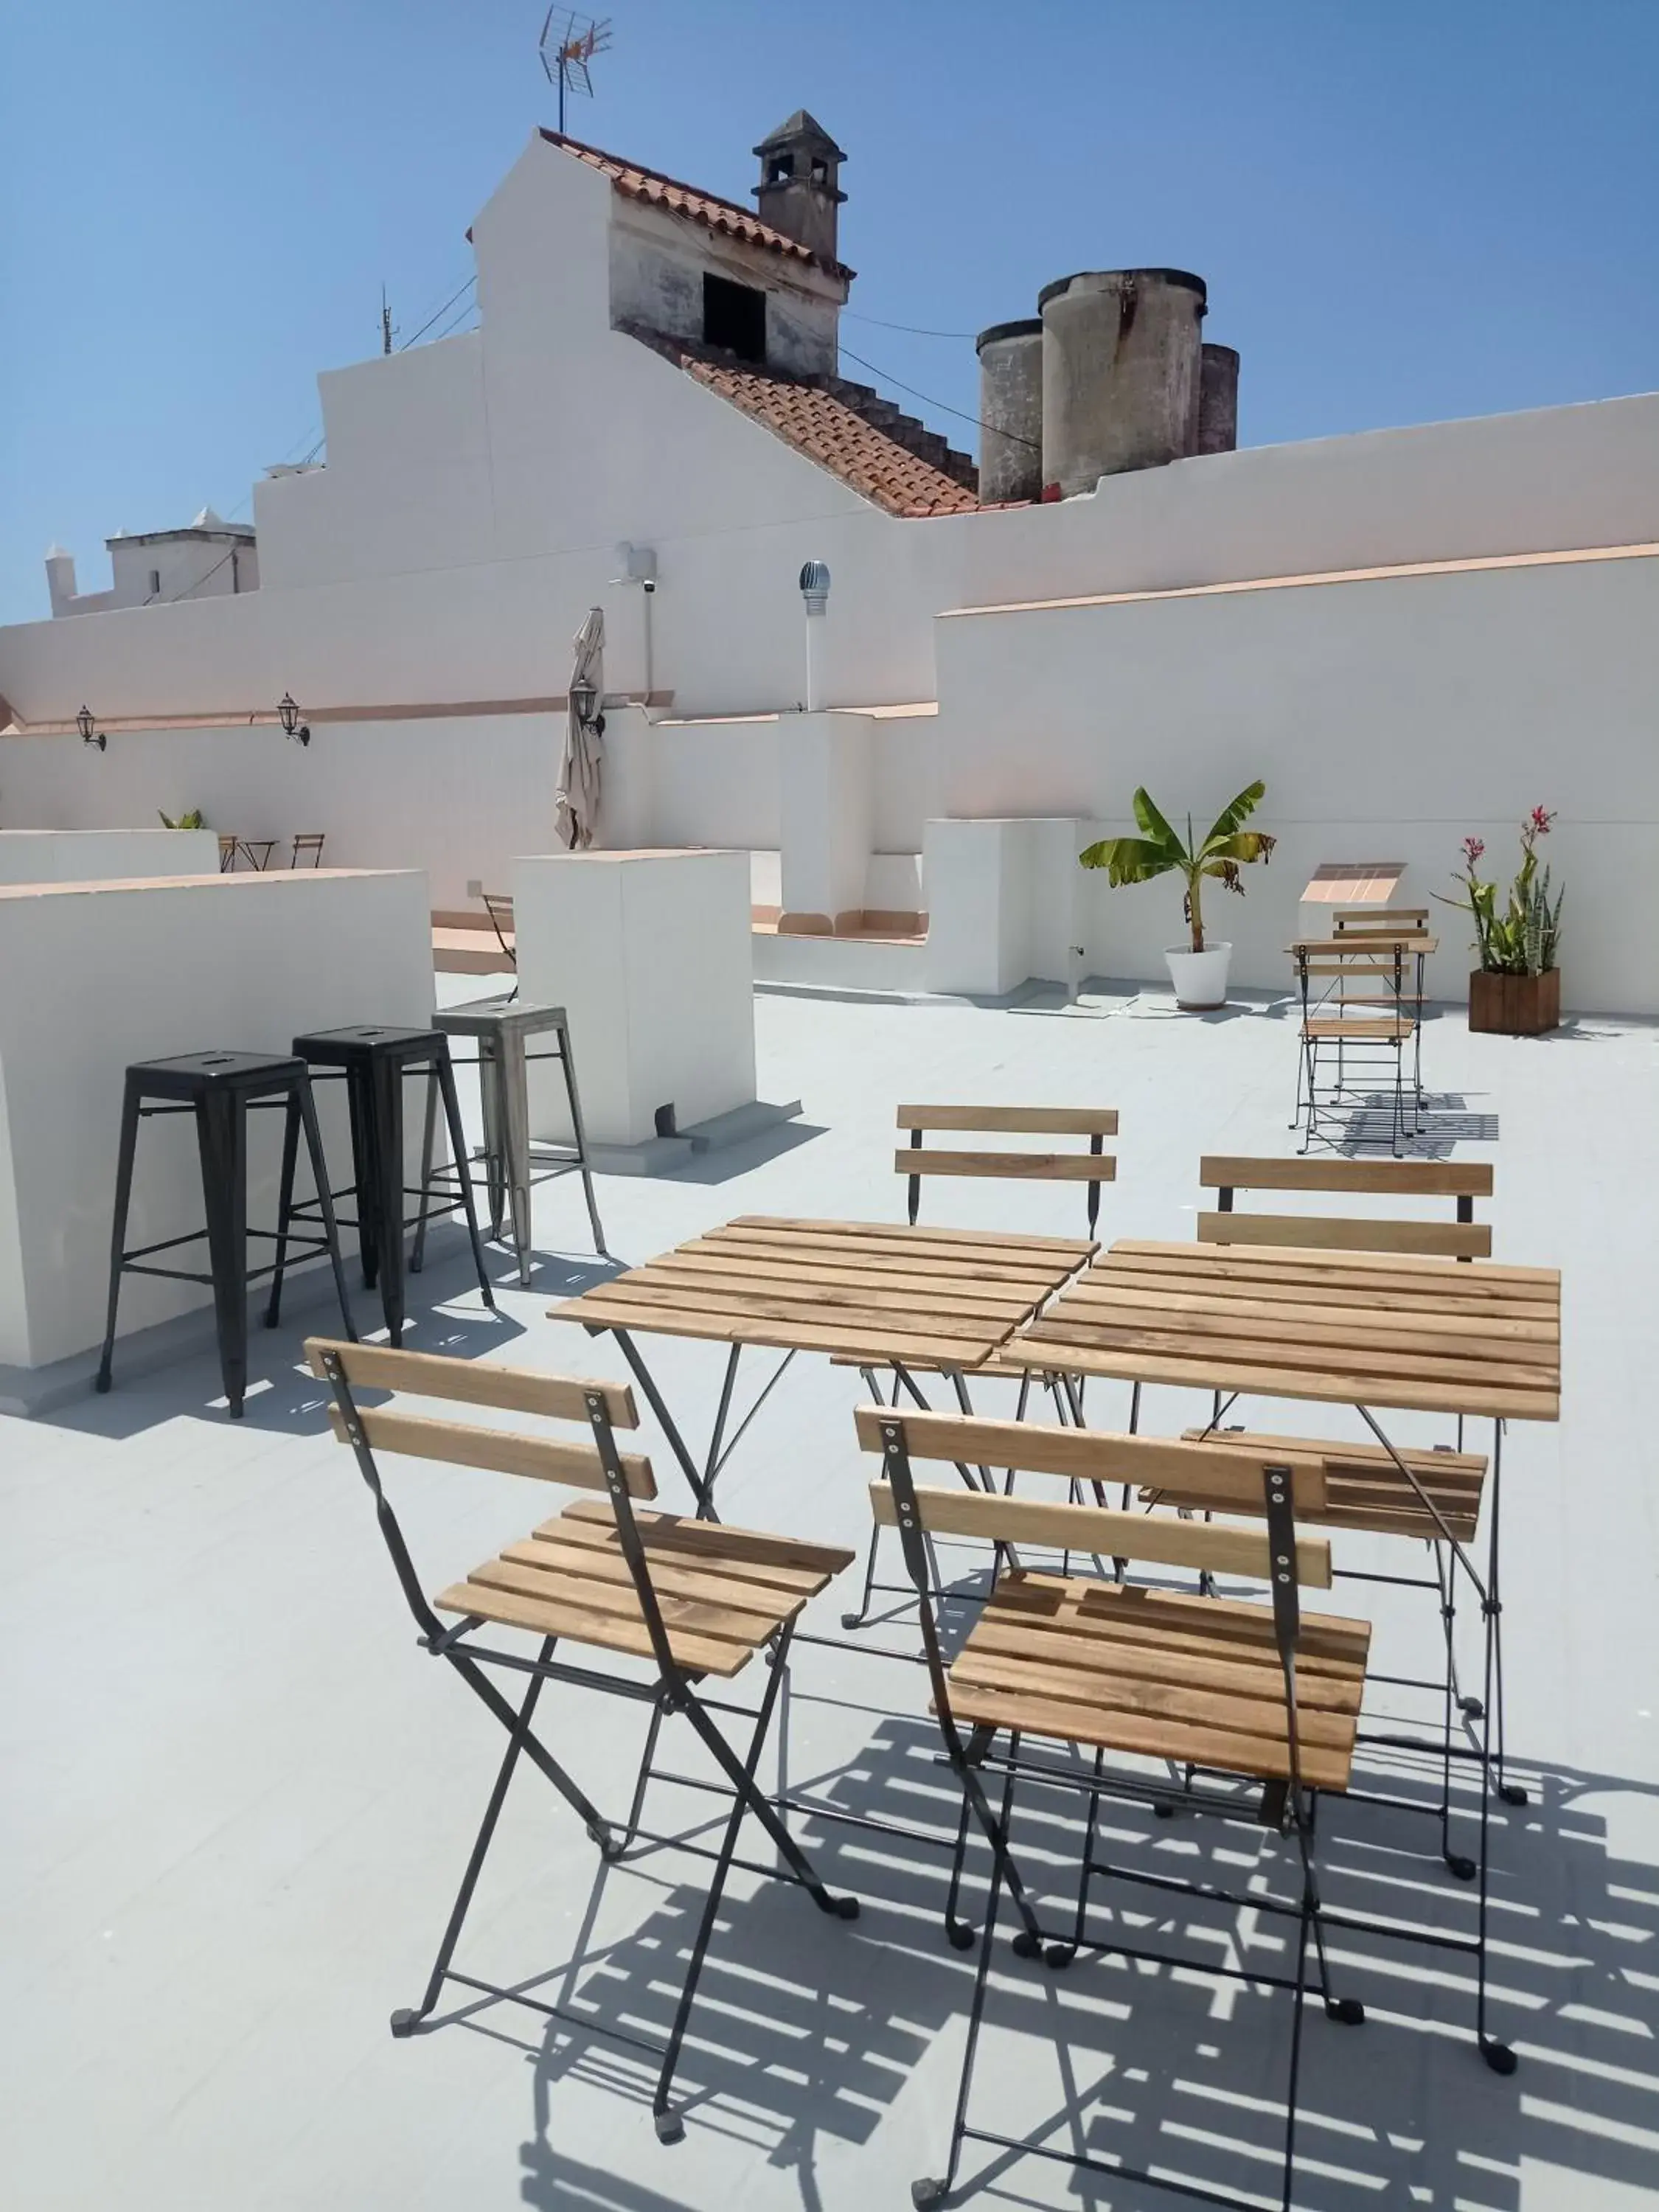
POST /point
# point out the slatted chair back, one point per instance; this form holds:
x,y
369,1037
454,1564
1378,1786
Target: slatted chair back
x,y
1381,921
1463,1180
1275,1554
592,1463
499,907
1092,1168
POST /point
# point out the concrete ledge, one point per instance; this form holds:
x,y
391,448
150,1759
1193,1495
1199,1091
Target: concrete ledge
x,y
660,1156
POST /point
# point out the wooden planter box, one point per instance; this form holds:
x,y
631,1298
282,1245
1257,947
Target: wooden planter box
x,y
1515,1005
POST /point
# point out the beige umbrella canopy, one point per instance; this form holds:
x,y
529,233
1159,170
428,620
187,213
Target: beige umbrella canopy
x,y
576,813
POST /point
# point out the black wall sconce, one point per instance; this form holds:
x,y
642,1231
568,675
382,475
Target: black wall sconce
x,y
90,735
584,698
291,725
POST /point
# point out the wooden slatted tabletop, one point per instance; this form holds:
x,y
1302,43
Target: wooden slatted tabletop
x,y
873,1290
1369,1329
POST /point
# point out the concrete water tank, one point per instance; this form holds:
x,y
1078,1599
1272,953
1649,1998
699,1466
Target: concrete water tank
x,y
1218,401
1010,411
1120,373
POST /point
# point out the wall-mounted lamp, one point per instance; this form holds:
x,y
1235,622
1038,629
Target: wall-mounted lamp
x,y
584,698
90,734
288,715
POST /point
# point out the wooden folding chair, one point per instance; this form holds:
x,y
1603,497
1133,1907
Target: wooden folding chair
x,y
1465,1180
694,1599
499,907
308,847
1092,1168
1262,1699
1354,1013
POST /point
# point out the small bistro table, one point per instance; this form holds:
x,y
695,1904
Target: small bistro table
x,y
878,1293
1366,1329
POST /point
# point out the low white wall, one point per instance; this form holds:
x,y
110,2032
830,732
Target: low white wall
x,y
96,976
1388,719
456,796
650,956
90,856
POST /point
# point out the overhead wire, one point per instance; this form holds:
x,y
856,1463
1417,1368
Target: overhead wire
x,y
996,428
914,330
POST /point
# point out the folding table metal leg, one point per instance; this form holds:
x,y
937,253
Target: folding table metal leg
x,y
653,1398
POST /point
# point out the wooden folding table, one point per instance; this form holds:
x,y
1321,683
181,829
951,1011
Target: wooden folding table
x,y
881,1293
1367,1329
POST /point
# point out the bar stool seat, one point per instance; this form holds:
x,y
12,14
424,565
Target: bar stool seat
x,y
219,1088
501,1025
374,1060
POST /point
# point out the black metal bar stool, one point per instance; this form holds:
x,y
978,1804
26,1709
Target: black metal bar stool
x,y
219,1088
373,1062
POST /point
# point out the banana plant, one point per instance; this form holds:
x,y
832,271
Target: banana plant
x,y
1159,851
191,820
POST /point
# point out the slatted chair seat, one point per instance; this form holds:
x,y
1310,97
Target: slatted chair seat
x,y
723,1592
1363,1487
1196,1680
1357,1029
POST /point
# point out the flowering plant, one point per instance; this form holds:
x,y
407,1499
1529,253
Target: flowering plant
x,y
1525,937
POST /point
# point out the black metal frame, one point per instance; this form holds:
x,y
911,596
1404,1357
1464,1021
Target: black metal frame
x,y
1316,1109
673,1693
220,1111
497,1183
1287,1807
374,1081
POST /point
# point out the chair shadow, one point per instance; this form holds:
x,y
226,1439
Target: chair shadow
x,y
1446,1121
807,2031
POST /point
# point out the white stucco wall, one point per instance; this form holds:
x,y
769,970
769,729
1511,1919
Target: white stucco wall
x,y
94,977
92,856
1387,719
456,796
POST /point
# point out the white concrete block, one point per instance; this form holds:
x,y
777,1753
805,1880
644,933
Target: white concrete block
x,y
649,954
91,856
1005,902
826,795
94,976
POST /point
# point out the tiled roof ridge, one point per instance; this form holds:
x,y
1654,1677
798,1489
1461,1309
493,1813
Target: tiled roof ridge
x,y
809,414
657,189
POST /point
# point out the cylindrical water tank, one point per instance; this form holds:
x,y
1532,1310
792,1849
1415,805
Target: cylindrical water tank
x,y
1010,411
1120,373
1218,402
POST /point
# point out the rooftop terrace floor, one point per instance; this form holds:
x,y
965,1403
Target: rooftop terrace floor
x,y
238,1798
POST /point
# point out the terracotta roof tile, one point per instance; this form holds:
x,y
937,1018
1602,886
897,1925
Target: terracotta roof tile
x,y
825,429
726,215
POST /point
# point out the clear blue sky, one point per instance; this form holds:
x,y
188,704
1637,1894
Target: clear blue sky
x,y
1405,210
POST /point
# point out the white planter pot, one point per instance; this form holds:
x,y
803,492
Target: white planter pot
x,y
1200,978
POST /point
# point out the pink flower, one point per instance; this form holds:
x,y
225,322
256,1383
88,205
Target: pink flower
x,y
1473,848
1541,821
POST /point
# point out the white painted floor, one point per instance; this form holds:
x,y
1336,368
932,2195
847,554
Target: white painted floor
x,y
237,1798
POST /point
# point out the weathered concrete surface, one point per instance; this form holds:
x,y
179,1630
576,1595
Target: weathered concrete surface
x,y
1120,373
1010,411
1218,400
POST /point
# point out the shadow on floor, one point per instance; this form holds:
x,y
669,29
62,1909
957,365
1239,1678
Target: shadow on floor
x,y
808,2032
733,1160
1447,1120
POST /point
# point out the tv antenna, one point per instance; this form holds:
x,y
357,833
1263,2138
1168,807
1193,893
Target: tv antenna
x,y
568,44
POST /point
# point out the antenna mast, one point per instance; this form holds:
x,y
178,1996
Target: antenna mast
x,y
568,43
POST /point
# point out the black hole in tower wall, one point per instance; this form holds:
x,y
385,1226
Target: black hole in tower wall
x,y
734,317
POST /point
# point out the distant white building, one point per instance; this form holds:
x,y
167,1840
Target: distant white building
x,y
211,558
1410,635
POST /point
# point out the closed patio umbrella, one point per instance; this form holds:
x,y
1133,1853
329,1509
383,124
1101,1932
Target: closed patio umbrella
x,y
577,810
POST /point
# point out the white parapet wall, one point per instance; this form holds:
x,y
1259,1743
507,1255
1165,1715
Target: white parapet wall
x,y
826,790
649,953
1390,716
90,856
1007,902
95,976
